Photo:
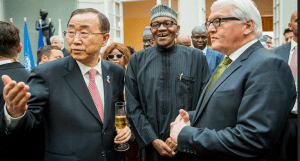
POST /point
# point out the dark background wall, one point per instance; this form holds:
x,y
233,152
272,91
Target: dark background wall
x,y
18,9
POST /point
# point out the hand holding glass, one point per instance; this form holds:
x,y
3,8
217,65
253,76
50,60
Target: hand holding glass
x,y
120,123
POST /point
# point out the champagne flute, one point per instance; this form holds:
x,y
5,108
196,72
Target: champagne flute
x,y
120,123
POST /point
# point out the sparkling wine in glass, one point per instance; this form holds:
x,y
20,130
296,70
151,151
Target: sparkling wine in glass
x,y
120,123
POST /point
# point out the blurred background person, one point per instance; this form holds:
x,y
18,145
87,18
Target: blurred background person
x,y
288,35
183,39
131,49
148,40
117,53
49,53
27,145
200,39
59,42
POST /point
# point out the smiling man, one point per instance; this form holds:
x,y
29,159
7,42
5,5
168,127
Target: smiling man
x,y
200,39
242,113
159,81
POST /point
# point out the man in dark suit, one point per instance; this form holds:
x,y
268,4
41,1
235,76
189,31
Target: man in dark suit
x,y
49,53
59,42
29,145
200,39
288,52
243,110
75,96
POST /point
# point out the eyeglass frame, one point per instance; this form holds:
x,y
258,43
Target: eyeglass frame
x,y
162,23
207,24
66,32
115,56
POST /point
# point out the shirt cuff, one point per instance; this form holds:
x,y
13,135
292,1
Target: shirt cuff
x,y
11,122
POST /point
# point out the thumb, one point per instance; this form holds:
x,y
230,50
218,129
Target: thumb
x,y
6,79
184,115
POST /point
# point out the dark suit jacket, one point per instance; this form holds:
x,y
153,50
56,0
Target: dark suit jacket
x,y
214,58
28,145
283,51
73,128
66,52
244,112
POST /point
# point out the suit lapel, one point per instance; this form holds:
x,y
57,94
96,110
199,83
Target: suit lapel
x,y
231,69
107,77
286,52
75,80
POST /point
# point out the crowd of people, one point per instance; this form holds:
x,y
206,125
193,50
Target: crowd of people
x,y
233,100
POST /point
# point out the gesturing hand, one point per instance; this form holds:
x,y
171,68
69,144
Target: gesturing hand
x,y
16,96
180,122
163,148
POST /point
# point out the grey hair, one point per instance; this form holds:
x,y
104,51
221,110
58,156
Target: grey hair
x,y
60,39
245,10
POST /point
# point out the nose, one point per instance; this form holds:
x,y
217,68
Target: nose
x,y
211,28
77,39
115,58
162,27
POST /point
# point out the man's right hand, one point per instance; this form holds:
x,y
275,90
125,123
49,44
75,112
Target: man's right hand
x,y
163,149
16,96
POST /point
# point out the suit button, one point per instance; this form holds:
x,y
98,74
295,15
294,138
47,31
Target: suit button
x,y
103,154
103,133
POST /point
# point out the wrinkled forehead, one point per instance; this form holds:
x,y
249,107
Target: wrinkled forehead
x,y
84,20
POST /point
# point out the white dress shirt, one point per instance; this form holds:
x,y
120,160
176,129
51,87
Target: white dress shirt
x,y
204,50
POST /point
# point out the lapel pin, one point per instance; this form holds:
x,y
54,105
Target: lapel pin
x,y
108,81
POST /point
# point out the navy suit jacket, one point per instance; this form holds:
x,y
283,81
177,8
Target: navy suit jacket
x,y
73,128
28,145
214,58
283,51
244,112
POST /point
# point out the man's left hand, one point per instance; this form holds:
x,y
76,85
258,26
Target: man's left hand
x,y
123,135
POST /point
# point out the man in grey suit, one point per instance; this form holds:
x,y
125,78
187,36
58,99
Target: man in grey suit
x,y
288,52
74,95
243,110
59,42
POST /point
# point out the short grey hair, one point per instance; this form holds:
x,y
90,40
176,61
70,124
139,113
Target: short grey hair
x,y
60,38
245,10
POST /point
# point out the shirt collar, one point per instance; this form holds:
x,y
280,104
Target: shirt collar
x,y
85,69
5,62
204,50
293,44
239,51
171,49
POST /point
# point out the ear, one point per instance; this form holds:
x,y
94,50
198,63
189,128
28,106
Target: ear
x,y
105,39
178,28
290,26
44,58
249,27
20,47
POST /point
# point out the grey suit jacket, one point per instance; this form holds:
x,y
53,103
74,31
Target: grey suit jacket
x,y
73,128
244,112
283,51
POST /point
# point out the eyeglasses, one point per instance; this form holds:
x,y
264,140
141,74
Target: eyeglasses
x,y
83,35
112,56
167,24
217,21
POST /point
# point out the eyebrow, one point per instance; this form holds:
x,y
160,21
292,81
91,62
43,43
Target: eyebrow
x,y
82,26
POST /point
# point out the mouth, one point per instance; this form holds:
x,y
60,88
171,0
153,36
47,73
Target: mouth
x,y
76,50
162,35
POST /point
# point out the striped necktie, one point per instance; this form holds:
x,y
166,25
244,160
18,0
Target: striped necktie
x,y
95,93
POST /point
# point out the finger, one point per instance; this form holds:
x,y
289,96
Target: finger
x,y
7,88
168,150
123,136
6,79
122,141
23,102
15,91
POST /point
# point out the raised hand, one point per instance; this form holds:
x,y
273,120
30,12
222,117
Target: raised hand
x,y
163,149
16,96
123,135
